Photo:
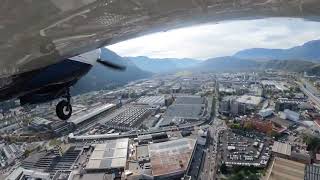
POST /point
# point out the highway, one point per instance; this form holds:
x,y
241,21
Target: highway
x,y
310,92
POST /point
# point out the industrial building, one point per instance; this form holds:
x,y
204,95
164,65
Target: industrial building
x,y
84,116
281,149
60,128
285,103
39,123
265,112
276,85
286,169
21,173
57,128
73,138
170,159
245,104
185,109
53,160
312,172
287,151
152,100
181,113
93,176
239,105
127,118
225,104
290,115
189,100
249,100
9,153
109,156
154,138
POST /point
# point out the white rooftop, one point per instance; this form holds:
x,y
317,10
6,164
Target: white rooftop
x,y
251,100
112,154
281,148
90,113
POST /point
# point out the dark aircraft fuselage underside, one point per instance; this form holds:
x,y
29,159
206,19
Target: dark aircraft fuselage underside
x,y
44,84
37,33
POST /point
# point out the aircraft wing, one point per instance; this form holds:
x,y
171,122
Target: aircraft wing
x,y
37,33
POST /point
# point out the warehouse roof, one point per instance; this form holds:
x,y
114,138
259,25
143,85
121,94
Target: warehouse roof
x,y
251,100
151,100
189,100
312,172
171,156
178,112
90,113
184,110
286,169
281,148
112,154
40,121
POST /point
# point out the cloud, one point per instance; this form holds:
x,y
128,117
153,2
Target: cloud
x,y
226,38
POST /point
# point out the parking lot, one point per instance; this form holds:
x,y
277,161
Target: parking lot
x,y
244,150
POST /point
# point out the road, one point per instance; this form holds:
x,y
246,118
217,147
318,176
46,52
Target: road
x,y
212,160
310,92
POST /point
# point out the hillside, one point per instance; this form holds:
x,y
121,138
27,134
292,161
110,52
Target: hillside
x,y
297,59
101,77
308,52
165,65
229,63
314,70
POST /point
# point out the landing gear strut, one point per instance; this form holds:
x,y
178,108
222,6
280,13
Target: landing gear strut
x,y
64,108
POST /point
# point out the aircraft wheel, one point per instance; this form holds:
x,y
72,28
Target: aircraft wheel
x,y
64,110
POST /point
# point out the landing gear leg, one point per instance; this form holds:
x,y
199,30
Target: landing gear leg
x,y
64,108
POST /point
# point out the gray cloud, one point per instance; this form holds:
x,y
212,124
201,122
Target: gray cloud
x,y
214,40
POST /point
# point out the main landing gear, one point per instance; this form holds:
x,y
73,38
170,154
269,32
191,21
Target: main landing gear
x,y
64,108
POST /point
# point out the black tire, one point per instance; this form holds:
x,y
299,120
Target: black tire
x,y
64,110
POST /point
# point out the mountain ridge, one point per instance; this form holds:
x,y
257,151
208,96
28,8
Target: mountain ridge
x,y
162,65
100,77
231,64
307,51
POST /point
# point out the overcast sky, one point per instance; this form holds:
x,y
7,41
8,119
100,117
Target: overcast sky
x,y
223,39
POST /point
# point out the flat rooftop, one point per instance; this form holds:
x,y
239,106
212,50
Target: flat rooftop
x,y
286,169
127,116
83,116
189,100
312,172
282,86
171,156
151,100
251,100
110,155
40,121
177,112
281,148
184,110
93,176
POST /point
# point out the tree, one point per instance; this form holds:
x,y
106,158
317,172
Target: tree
x,y
223,168
312,142
244,173
248,125
275,134
26,153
